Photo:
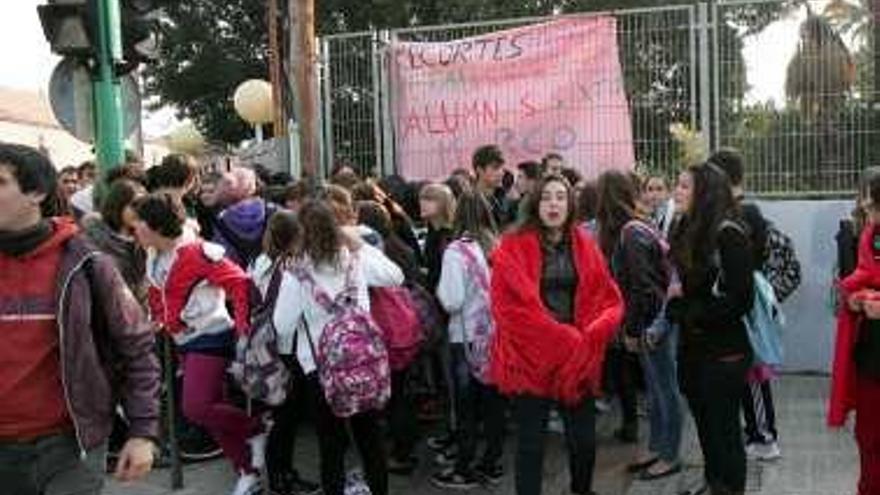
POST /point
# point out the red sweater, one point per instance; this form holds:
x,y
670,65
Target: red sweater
x,y
843,373
32,402
532,352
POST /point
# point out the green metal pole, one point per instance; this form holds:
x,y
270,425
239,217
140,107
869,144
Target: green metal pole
x,y
109,135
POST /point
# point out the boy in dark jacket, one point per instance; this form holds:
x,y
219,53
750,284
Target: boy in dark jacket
x,y
75,344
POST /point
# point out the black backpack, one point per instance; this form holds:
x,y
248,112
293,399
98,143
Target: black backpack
x,y
781,266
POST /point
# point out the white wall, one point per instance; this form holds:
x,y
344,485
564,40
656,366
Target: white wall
x,y
812,225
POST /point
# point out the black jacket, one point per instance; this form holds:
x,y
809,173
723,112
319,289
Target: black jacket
x,y
435,244
757,230
715,299
638,266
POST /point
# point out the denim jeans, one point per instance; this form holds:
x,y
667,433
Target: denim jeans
x,y
51,466
714,391
475,404
531,415
661,383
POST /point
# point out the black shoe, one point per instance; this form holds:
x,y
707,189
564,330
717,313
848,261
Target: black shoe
x,y
289,483
402,467
455,480
197,446
640,466
447,457
647,475
439,443
490,474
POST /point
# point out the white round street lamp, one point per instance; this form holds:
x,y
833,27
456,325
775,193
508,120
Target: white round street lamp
x,y
186,139
253,102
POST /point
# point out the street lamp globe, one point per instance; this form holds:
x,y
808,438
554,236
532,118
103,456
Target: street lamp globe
x,y
253,101
186,139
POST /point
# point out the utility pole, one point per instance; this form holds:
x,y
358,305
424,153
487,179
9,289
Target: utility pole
x,y
109,135
280,114
303,65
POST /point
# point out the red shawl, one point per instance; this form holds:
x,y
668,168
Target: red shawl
x,y
862,283
531,351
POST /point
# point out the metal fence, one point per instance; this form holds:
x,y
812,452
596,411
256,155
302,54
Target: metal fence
x,y
820,129
682,64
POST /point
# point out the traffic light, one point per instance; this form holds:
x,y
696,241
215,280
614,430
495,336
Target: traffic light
x,y
140,33
71,27
68,26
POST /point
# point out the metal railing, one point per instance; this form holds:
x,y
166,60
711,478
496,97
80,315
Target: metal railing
x,y
680,64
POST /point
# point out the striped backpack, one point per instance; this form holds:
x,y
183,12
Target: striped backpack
x,y
257,366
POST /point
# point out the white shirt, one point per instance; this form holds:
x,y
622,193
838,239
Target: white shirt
x,y
261,273
297,302
83,200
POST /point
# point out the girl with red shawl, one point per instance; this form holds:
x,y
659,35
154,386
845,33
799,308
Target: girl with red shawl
x,y
855,383
556,308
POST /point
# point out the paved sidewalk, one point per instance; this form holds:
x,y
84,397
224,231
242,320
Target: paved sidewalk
x,y
815,461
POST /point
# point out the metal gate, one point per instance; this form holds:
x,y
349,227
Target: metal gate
x,y
681,64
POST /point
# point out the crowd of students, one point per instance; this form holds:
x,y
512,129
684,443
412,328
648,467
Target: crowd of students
x,y
534,295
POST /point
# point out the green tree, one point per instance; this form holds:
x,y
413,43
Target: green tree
x,y
208,48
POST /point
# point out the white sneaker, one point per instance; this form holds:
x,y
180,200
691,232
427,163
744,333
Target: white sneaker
x,y
248,484
258,450
764,452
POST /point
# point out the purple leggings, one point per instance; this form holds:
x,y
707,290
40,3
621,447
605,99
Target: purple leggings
x,y
206,404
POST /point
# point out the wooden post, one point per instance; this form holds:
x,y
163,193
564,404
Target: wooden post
x,y
303,64
280,113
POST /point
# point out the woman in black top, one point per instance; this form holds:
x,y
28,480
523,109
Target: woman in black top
x,y
639,265
711,251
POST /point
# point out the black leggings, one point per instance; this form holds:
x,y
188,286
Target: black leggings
x,y
714,391
333,439
531,415
286,419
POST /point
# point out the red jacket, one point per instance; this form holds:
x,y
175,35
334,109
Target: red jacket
x,y
865,278
197,270
104,343
532,352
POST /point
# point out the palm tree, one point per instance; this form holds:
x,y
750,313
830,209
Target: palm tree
x,y
822,71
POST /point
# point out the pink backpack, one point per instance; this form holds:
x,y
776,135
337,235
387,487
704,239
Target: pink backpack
x,y
478,350
351,357
394,311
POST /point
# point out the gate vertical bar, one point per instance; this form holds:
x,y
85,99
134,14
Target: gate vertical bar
x,y
375,56
388,148
327,114
705,82
692,42
715,75
327,87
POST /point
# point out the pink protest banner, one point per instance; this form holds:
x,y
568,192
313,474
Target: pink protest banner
x,y
552,87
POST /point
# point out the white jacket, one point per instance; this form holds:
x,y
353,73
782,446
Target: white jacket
x,y
296,301
261,273
460,293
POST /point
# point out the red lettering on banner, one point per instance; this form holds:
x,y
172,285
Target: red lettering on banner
x,y
508,88
528,108
450,117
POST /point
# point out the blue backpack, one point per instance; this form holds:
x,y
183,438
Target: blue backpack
x,y
764,324
764,321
